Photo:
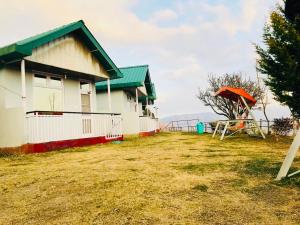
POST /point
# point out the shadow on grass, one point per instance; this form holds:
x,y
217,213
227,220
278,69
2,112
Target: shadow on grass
x,y
201,187
68,150
131,159
266,168
8,155
201,168
259,167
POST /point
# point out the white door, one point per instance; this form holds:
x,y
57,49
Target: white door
x,y
85,95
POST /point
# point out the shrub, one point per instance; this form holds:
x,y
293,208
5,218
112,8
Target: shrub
x,y
282,126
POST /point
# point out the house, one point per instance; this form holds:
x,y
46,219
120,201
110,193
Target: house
x,y
48,95
133,96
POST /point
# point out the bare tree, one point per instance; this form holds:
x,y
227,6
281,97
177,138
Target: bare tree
x,y
223,106
263,99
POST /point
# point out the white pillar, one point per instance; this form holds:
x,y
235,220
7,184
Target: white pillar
x,y
287,163
147,111
23,96
108,95
137,100
23,82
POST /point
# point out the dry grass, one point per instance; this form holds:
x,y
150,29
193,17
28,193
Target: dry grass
x,y
166,179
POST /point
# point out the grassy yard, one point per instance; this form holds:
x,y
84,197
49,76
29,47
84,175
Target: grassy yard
x,y
167,179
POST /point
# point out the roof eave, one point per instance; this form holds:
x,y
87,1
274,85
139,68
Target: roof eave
x,y
119,86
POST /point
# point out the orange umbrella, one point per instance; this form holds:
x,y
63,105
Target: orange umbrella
x,y
235,93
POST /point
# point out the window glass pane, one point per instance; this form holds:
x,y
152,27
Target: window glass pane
x,y
85,103
55,82
84,87
40,80
48,99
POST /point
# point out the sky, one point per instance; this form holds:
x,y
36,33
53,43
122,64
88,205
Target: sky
x,y
182,41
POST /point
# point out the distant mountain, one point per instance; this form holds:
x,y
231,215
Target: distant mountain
x,y
203,116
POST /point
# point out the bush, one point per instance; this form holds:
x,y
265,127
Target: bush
x,y
282,126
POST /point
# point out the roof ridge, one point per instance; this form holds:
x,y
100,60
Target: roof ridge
x,y
145,65
36,35
49,31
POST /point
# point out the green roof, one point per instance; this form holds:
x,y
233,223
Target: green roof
x,y
133,76
151,93
24,48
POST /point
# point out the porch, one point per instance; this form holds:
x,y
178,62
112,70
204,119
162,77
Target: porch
x,y
49,130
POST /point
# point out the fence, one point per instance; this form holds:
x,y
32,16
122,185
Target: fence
x,y
148,124
190,125
55,126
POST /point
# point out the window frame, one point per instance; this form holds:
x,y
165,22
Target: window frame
x,y
48,86
48,81
89,93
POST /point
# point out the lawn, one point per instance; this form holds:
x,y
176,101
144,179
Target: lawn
x,y
171,178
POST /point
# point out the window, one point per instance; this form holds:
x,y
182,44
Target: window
x,y
55,82
85,90
85,87
130,103
40,80
48,93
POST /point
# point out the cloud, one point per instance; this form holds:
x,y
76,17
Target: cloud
x,y
163,15
182,42
112,20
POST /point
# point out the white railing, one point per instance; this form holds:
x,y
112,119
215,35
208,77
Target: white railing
x,y
57,126
148,124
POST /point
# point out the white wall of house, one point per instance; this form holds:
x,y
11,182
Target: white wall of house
x,y
116,100
122,103
12,119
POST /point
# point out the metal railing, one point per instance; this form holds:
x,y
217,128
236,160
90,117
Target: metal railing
x,y
46,126
209,127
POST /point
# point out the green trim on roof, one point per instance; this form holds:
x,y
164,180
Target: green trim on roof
x,y
24,48
151,94
133,76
